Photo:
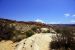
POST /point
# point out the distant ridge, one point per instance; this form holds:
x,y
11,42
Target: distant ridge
x,y
25,22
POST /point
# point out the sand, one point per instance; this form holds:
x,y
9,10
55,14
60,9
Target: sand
x,y
7,45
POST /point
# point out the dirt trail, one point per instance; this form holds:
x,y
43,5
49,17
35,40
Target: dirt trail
x,y
36,42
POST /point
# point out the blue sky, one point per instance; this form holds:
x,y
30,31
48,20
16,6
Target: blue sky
x,y
47,11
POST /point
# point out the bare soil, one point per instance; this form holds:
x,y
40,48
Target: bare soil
x,y
7,45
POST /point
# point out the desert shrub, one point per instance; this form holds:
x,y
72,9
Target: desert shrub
x,y
29,33
55,45
58,30
6,32
67,38
18,36
48,31
35,29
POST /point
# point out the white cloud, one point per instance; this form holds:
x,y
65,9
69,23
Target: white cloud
x,y
38,20
73,15
67,14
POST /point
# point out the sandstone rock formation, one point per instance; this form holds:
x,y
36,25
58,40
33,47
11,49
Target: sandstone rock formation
x,y
36,42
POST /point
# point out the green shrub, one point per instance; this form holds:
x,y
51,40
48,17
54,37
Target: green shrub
x,y
6,32
34,28
29,33
18,35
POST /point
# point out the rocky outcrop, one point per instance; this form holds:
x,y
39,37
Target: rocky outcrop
x,y
36,42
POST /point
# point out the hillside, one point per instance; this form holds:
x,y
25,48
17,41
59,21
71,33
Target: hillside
x,y
18,30
71,27
11,29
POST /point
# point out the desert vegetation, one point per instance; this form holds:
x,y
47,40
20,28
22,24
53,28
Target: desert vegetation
x,y
66,41
16,31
